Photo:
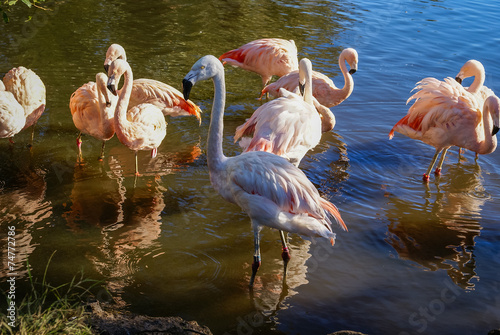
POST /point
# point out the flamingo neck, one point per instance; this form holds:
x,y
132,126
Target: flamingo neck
x,y
106,113
489,144
478,82
214,152
348,82
121,121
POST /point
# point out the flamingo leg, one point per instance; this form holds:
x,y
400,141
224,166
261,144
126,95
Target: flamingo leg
x,y
285,254
426,175
79,145
136,165
32,135
256,255
441,160
101,157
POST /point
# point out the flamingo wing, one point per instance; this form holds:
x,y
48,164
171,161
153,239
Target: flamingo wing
x,y
12,118
164,96
265,184
148,129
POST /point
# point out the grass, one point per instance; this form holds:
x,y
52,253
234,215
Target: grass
x,y
51,309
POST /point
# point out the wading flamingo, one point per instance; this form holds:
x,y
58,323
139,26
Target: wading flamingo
x,y
12,117
93,111
141,127
271,190
168,99
29,91
288,126
445,114
324,90
267,57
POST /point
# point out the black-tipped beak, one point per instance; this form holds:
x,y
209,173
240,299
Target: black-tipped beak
x,y
186,88
459,80
112,88
495,130
352,71
302,88
108,104
106,68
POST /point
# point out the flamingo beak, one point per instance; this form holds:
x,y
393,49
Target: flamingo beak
x,y
106,67
352,71
459,80
495,130
302,88
111,85
186,88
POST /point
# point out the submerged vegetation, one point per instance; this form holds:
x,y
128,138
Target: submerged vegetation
x,y
7,5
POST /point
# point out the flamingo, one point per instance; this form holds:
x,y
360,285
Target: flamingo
x,y
12,119
271,190
324,90
266,57
29,91
93,111
445,114
141,127
165,97
288,126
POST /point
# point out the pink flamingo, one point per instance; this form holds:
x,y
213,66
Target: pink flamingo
x,y
324,90
288,126
93,110
29,91
445,114
168,99
266,57
141,127
12,119
271,190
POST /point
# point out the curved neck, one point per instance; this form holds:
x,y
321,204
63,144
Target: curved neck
x,y
348,82
123,100
215,131
489,142
478,82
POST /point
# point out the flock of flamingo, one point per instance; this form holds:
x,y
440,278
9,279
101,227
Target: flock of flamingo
x,y
264,180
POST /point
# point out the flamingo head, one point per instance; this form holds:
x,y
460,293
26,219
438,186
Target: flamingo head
x,y
205,68
471,68
116,70
350,55
115,51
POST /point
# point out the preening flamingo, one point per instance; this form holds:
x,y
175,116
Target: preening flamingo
x,y
141,127
271,190
167,98
12,117
267,57
93,111
445,114
29,91
288,126
324,90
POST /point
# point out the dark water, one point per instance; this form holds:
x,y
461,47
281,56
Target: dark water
x,y
418,259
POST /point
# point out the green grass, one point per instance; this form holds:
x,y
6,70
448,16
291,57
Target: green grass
x,y
51,309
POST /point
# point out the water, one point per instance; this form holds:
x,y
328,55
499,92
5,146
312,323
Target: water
x,y
417,258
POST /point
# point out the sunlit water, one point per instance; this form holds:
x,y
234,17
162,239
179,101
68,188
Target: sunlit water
x,y
418,259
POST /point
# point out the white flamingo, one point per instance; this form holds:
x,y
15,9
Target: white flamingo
x,y
266,57
324,90
288,126
12,118
29,91
93,110
271,190
168,99
141,127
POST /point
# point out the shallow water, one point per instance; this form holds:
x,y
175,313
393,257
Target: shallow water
x,y
417,258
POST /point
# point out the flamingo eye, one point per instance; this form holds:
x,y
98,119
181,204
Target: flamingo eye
x,y
202,67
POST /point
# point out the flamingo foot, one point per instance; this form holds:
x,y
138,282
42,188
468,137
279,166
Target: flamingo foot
x,y
154,152
285,254
11,140
437,172
100,158
426,178
255,267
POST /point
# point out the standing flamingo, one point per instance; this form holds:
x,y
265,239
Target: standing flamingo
x,y
445,114
266,57
271,190
168,99
12,119
93,111
324,90
141,127
29,91
288,126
